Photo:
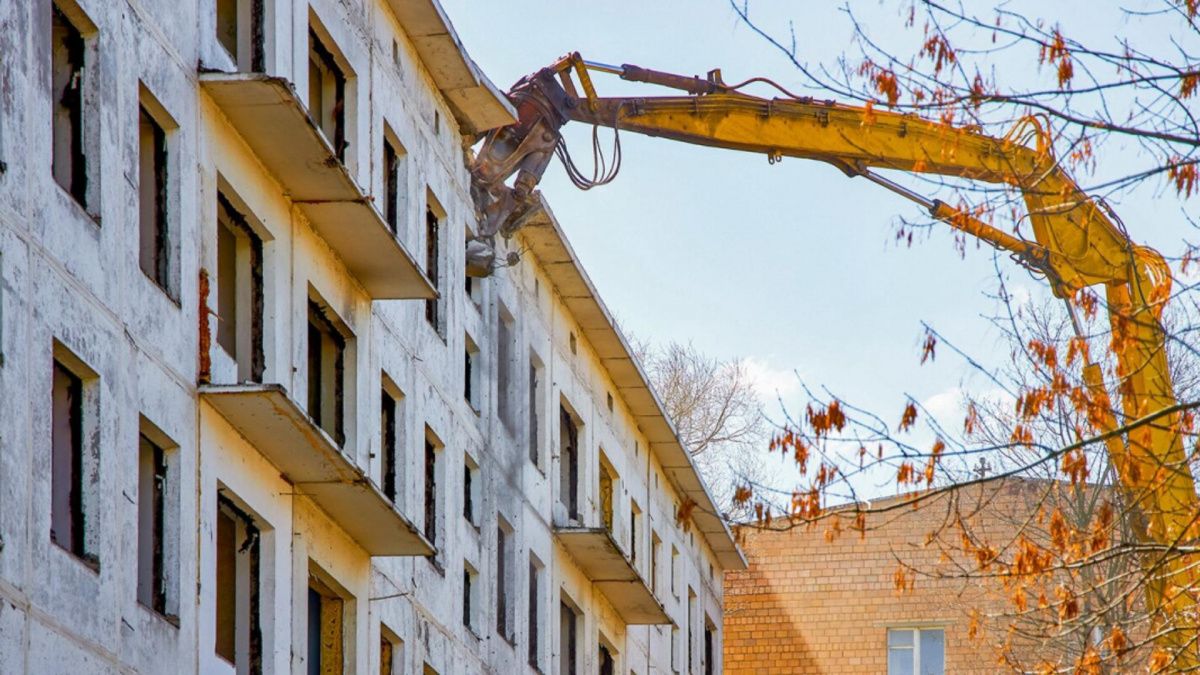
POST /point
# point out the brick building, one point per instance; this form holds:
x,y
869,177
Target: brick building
x,y
811,603
253,416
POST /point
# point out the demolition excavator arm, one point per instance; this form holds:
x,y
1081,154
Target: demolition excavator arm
x,y
1077,241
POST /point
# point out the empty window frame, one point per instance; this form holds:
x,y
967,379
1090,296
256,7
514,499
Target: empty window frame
x,y
326,92
690,620
390,426
155,246
655,552
158,522
472,286
675,562
916,651
470,490
469,285
534,608
469,603
393,181
240,32
74,512
505,573
568,637
676,658
72,69
432,447
635,528
605,660
239,291
327,371
433,253
534,430
471,373
506,397
710,646
238,592
568,463
326,629
2,287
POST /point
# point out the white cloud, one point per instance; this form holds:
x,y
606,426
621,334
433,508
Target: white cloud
x,y
1019,296
778,388
946,407
949,408
771,382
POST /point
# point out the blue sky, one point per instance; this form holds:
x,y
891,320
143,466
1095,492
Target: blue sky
x,y
792,265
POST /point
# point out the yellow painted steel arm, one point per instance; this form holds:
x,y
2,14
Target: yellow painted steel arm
x,y
1076,243
1089,248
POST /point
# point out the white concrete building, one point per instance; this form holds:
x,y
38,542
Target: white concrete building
x,y
253,417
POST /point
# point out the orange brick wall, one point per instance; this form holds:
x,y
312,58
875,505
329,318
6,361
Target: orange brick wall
x,y
806,605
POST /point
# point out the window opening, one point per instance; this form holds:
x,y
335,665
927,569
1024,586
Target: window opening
x,y
568,463
239,291
327,93
154,249
326,373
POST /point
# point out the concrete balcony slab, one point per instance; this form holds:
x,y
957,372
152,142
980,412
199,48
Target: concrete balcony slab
x,y
307,458
613,574
274,122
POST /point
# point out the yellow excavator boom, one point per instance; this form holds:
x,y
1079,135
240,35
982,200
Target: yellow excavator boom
x,y
1076,244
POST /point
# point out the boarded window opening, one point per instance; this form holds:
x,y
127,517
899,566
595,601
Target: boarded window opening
x,y
240,31
607,483
388,441
155,246
568,463
431,497
504,581
386,666
238,602
70,77
157,525
326,617
433,247
326,373
327,93
73,461
391,652
568,639
239,291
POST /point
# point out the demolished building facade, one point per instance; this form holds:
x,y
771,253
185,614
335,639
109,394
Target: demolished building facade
x,y
254,417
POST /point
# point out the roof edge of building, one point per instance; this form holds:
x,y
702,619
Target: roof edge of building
x,y
548,243
477,104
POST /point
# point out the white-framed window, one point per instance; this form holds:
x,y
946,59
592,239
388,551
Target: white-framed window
x,y
916,651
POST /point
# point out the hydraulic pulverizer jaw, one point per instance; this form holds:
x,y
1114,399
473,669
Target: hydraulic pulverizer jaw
x,y
523,149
